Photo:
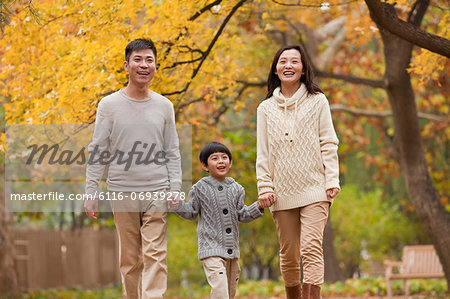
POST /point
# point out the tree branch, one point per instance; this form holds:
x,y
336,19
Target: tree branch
x,y
216,37
185,104
351,79
206,8
326,57
189,49
222,109
182,105
383,17
310,5
182,62
211,45
383,114
330,28
192,18
417,15
347,78
286,4
253,84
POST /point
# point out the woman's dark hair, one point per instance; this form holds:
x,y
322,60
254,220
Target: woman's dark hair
x,y
273,81
139,44
211,148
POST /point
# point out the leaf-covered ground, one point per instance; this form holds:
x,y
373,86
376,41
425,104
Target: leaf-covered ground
x,y
351,288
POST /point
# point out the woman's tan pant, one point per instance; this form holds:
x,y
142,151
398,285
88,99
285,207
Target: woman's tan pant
x,y
300,234
142,252
222,275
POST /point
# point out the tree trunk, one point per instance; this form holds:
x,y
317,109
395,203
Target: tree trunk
x,y
332,271
8,275
408,143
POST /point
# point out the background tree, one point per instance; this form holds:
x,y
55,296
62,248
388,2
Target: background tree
x,y
398,48
8,275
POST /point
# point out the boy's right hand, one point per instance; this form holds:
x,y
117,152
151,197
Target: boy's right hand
x,y
266,200
91,208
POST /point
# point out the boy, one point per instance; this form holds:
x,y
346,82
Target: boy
x,y
128,123
219,202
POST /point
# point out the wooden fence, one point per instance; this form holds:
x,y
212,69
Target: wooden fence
x,y
83,258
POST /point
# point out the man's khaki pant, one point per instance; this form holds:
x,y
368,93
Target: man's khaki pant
x,y
142,253
300,234
222,275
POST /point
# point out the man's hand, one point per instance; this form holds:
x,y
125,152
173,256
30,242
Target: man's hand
x,y
332,192
91,208
173,200
266,200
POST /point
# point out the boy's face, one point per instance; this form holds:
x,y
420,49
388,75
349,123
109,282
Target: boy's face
x,y
141,66
219,165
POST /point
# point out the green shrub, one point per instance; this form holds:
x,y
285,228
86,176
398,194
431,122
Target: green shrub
x,y
369,227
377,286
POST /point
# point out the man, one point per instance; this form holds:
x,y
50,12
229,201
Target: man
x,y
135,135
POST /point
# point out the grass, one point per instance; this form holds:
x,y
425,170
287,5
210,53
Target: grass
x,y
350,288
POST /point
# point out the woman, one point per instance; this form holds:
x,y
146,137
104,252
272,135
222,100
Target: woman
x,y
297,167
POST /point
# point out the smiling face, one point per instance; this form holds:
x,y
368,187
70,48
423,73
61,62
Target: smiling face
x,y
141,67
289,67
218,166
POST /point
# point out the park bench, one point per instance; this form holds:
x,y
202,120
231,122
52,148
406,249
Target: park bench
x,y
419,261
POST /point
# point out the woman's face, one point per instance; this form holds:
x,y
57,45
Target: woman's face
x,y
289,67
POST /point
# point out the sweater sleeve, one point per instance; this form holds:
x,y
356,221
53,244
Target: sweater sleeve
x,y
190,210
328,146
247,213
263,173
172,150
100,143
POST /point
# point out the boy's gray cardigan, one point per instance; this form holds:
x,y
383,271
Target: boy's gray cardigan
x,y
219,205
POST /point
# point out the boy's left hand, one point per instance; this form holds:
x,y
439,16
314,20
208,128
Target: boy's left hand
x,y
173,201
332,192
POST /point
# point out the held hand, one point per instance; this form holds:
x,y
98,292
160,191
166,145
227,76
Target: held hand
x,y
272,198
266,200
91,208
332,192
173,201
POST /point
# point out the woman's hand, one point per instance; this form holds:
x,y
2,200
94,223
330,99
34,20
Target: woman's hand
x,y
332,192
266,200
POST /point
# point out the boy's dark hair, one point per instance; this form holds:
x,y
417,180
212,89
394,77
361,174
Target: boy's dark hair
x,y
139,44
211,148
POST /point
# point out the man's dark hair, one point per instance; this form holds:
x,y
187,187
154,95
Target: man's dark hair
x,y
139,44
211,148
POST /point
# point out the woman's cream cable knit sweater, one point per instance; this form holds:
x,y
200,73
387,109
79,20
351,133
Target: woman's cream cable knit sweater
x,y
296,149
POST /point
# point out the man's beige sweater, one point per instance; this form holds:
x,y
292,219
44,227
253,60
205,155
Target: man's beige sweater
x,y
140,140
296,149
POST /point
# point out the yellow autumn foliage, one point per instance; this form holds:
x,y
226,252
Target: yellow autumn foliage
x,y
428,65
56,70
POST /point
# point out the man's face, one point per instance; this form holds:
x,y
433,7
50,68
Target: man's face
x,y
141,67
